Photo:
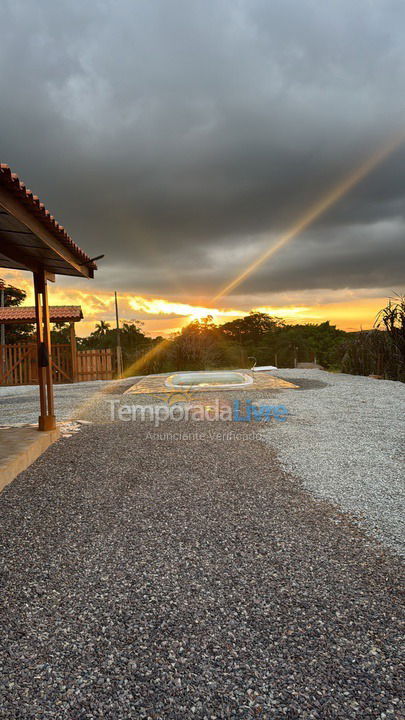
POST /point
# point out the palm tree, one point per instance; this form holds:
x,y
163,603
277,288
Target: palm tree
x,y
102,328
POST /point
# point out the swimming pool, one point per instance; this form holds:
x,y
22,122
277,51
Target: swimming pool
x,y
208,379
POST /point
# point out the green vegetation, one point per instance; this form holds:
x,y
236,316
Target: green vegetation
x,y
380,351
13,297
203,345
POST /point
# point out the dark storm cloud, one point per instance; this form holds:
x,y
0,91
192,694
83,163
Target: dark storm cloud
x,y
174,135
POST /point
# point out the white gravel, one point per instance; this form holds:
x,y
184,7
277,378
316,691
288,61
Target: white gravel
x,y
345,442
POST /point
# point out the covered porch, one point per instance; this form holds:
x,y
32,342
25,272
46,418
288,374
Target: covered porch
x,y
32,240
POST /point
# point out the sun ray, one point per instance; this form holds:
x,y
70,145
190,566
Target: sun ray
x,y
140,363
301,224
320,207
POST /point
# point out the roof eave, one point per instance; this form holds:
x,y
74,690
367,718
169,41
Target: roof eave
x,y
15,207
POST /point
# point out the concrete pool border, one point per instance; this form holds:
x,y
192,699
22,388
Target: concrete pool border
x,y
157,385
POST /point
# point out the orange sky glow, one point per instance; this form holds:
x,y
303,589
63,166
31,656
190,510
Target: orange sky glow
x,y
347,309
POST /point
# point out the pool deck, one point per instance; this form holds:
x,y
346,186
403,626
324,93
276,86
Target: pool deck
x,y
156,385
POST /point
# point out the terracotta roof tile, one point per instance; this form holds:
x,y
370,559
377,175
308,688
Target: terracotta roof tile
x,y
32,203
57,313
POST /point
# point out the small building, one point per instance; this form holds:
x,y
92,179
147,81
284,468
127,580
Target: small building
x,y
26,316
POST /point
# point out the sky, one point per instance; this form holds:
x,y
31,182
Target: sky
x,y
183,138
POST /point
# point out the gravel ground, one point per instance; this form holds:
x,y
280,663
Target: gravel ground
x,y
345,442
150,578
20,404
343,439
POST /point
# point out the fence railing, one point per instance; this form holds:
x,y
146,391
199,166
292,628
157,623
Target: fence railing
x,y
18,364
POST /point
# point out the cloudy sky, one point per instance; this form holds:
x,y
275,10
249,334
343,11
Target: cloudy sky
x,y
182,137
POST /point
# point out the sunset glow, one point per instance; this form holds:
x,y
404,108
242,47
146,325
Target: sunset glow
x,y
349,310
158,306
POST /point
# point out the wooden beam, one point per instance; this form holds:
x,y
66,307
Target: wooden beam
x,y
20,258
20,213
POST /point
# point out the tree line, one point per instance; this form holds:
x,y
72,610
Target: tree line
x,y
266,340
257,337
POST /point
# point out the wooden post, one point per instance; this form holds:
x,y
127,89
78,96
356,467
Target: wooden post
x,y
41,370
48,347
2,330
46,420
117,325
73,350
119,350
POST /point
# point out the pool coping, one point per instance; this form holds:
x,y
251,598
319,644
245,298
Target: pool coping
x,y
260,382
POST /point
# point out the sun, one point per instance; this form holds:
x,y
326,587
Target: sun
x,y
198,314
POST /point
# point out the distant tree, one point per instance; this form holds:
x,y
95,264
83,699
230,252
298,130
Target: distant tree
x,y
102,329
204,345
13,297
199,345
250,329
309,342
134,342
253,336
131,334
60,333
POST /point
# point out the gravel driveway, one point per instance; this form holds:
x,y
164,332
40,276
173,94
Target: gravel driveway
x,y
20,404
345,441
144,578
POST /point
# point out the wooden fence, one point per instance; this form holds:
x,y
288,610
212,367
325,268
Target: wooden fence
x,y
18,364
62,364
95,364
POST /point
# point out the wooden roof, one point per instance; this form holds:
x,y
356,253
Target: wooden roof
x,y
30,237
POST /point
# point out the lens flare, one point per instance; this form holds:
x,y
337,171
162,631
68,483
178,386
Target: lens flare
x,y
318,209
314,212
140,362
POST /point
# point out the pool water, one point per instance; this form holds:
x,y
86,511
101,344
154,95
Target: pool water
x,y
217,379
